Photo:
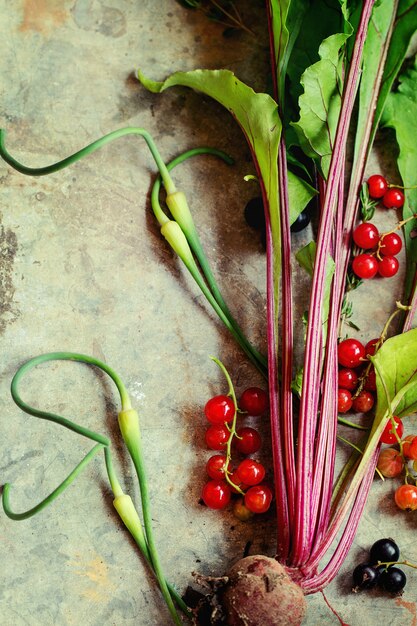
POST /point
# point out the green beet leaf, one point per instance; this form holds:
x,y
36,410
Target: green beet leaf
x,y
286,20
321,101
396,378
299,193
389,35
321,19
400,113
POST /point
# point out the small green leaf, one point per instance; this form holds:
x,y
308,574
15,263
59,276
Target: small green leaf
x,y
396,377
320,103
299,193
401,114
306,256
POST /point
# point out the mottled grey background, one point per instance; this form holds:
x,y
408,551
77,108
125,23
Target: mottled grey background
x,y
83,268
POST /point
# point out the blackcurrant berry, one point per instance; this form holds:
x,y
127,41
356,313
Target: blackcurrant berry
x,y
364,577
392,579
384,550
254,214
302,221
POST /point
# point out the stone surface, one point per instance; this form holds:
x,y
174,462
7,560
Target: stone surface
x,y
83,268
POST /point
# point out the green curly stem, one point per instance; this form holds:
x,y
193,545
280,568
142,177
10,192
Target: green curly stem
x,y
92,147
55,493
145,540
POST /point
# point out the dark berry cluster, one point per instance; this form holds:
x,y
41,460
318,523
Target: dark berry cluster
x,y
381,570
223,436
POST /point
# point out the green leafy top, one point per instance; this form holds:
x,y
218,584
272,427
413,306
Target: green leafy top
x,y
320,103
400,113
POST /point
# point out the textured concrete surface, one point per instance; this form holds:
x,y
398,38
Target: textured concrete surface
x,y
83,268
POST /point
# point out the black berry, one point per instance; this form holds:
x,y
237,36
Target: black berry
x,y
254,214
364,577
392,579
384,550
302,221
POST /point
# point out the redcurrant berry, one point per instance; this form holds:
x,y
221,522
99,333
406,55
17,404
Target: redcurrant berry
x,y
392,432
410,447
258,499
370,347
377,186
217,437
366,236
216,466
251,472
254,401
347,379
390,462
216,494
220,409
365,266
363,402
370,382
390,244
350,353
406,497
344,400
248,440
235,479
388,266
393,198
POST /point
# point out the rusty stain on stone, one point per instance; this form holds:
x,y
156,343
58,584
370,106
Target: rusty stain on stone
x,y
8,249
42,15
409,606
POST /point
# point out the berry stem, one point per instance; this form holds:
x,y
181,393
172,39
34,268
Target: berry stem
x,y
231,427
389,563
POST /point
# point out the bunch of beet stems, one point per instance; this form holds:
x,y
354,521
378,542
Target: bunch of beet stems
x,y
309,517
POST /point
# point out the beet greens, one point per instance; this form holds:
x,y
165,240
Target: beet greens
x,y
358,49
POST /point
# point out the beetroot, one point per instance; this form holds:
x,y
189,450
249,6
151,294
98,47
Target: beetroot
x,y
259,592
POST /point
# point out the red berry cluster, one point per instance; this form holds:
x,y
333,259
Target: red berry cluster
x,y
400,460
356,376
379,254
383,258
380,189
247,478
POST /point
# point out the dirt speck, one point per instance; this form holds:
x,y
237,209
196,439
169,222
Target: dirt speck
x,y
8,249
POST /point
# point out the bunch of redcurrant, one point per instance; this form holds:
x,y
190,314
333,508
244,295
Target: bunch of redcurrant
x,y
222,435
380,189
378,253
381,570
356,376
380,256
400,460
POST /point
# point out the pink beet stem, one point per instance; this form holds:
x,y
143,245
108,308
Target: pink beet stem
x,y
313,357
